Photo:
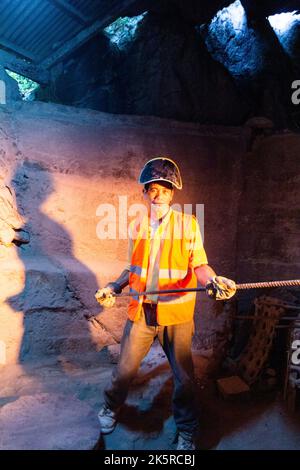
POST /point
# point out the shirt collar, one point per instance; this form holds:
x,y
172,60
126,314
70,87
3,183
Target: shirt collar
x,y
163,220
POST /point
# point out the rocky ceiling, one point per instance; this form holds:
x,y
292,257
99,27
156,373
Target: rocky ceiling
x,y
74,22
199,12
210,61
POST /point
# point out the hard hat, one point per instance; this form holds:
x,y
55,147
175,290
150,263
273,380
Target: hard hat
x,y
161,169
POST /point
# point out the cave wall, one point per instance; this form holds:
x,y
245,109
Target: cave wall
x,y
176,62
253,53
62,163
164,69
268,221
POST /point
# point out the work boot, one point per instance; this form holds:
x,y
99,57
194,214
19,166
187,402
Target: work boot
x,y
107,419
185,442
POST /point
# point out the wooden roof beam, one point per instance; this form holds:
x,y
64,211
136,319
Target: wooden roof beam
x,y
22,67
19,51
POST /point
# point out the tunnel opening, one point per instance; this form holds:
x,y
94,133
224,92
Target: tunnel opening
x,y
26,86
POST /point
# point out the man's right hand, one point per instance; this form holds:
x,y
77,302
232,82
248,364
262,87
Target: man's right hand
x,y
105,297
220,288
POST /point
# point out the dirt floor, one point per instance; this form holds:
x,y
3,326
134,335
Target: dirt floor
x,y
54,405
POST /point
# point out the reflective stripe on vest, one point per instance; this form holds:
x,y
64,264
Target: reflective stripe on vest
x,y
174,270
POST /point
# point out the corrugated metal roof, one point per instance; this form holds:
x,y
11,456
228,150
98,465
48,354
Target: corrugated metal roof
x,y
88,7
34,29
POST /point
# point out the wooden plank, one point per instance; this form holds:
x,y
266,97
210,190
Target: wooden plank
x,y
232,386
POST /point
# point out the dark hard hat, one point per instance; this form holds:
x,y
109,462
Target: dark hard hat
x,y
161,169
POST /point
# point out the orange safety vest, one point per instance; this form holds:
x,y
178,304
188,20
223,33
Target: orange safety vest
x,y
175,270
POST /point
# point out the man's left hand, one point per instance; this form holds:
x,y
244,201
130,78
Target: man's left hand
x,y
220,288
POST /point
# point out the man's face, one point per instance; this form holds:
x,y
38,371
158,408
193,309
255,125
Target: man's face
x,y
158,196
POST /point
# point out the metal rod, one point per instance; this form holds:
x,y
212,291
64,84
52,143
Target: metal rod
x,y
249,285
261,285
160,292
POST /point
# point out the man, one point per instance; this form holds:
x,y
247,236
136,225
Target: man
x,y
165,252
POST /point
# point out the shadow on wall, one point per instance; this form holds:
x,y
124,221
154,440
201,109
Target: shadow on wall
x,y
54,314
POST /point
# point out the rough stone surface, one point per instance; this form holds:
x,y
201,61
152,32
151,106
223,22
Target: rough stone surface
x,y
10,92
10,219
271,248
289,38
192,11
164,70
214,62
87,78
196,12
269,7
268,225
146,421
253,54
46,421
63,163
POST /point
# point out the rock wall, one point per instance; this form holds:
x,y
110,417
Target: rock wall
x,y
268,221
62,163
163,70
250,50
268,229
195,62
